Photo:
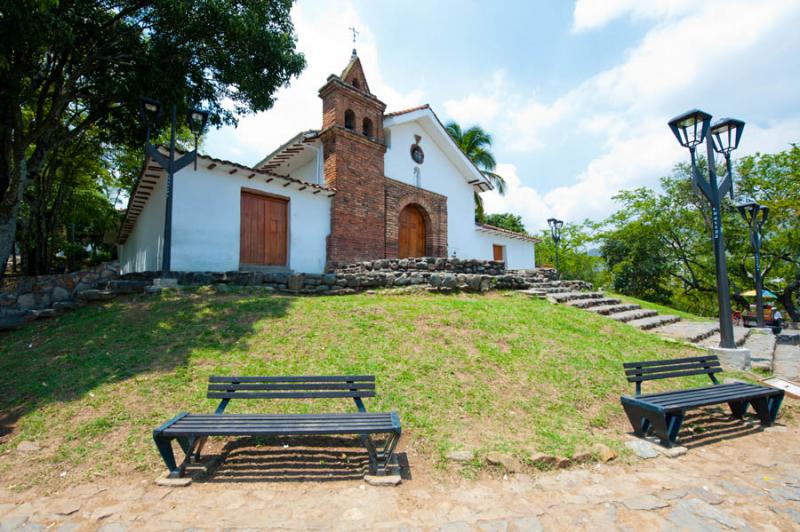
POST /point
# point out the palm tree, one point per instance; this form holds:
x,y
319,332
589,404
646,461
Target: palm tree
x,y
476,145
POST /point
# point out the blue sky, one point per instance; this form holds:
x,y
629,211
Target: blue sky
x,y
576,95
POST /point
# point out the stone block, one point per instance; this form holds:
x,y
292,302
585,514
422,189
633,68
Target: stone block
x,y
12,322
165,282
461,456
96,295
508,462
735,359
26,302
59,294
384,480
167,482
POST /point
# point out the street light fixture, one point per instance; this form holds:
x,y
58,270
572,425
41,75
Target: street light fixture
x,y
150,111
756,216
555,232
691,129
725,135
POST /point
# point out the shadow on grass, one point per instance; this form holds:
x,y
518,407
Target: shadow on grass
x,y
67,358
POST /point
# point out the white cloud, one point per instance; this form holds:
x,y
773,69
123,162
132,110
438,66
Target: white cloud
x,y
593,14
323,36
687,55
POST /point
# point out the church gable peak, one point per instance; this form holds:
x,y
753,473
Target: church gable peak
x,y
353,74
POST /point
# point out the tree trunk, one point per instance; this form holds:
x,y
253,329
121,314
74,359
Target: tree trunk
x,y
786,298
9,209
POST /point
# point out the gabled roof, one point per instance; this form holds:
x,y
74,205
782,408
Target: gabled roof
x,y
152,172
406,111
486,228
424,113
288,148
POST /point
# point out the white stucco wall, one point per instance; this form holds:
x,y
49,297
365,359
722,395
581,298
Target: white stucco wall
x,y
519,254
439,174
142,250
206,220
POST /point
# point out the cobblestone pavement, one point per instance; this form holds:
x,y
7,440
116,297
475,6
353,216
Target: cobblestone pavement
x,y
750,482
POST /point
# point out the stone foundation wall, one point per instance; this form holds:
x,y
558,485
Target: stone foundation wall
x,y
423,264
53,291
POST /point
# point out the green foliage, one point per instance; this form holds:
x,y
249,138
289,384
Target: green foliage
x,y
506,220
577,256
477,146
70,69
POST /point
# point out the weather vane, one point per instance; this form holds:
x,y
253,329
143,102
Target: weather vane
x,y
355,32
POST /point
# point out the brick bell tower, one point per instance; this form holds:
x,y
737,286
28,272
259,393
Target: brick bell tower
x,y
353,151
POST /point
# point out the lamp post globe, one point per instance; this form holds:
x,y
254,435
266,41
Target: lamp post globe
x,y
692,129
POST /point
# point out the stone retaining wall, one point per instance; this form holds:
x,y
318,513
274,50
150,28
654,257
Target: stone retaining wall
x,y
53,291
423,264
45,296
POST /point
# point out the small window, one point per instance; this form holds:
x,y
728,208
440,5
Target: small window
x,y
366,127
417,177
387,137
356,84
350,120
499,252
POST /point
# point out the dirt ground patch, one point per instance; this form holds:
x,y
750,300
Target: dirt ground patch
x,y
748,479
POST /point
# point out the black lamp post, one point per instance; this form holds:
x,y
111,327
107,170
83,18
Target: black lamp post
x,y
691,129
756,216
555,232
150,111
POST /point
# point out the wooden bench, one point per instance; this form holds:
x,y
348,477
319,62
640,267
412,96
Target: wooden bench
x,y
192,430
664,412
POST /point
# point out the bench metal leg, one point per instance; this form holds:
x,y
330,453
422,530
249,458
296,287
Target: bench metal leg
x,y
738,408
164,445
380,461
665,426
767,408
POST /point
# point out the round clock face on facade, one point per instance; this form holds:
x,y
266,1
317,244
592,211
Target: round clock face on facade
x,y
417,154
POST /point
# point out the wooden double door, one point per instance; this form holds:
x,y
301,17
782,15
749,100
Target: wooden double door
x,y
263,233
411,242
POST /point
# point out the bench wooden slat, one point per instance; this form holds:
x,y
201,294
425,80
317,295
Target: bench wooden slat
x,y
294,386
646,363
306,378
672,374
671,367
700,390
288,395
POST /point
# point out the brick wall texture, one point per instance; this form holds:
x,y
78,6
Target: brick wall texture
x,y
365,211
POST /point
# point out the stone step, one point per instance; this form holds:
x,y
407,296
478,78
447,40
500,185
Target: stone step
x,y
631,315
593,302
563,297
688,331
614,309
652,322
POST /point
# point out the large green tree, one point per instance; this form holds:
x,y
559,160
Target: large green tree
x,y
71,66
477,146
658,245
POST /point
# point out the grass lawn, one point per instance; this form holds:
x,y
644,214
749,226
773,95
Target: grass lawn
x,y
492,372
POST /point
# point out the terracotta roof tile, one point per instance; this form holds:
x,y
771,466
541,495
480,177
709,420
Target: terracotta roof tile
x,y
512,234
409,110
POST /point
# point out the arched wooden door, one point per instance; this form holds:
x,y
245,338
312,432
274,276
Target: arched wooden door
x,y
412,233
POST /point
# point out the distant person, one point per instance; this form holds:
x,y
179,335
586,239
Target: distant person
x,y
777,319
